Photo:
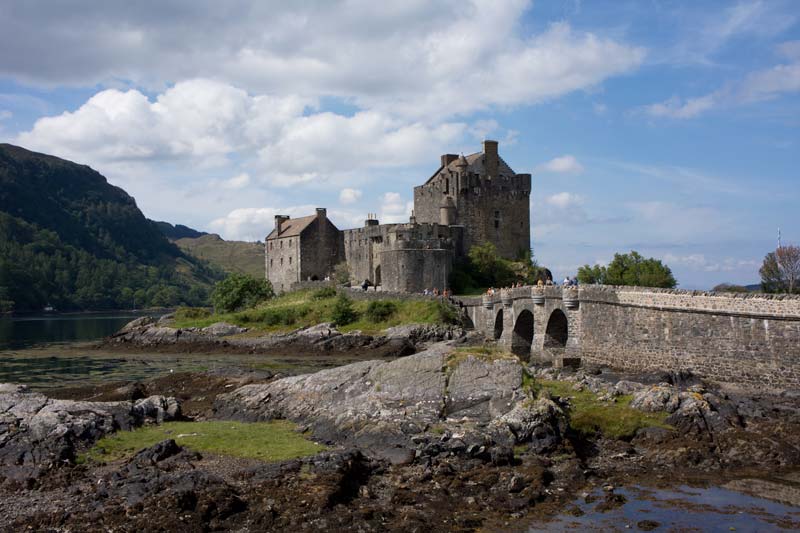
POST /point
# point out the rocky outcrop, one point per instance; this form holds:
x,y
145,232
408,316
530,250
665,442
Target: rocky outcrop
x,y
385,406
39,433
152,334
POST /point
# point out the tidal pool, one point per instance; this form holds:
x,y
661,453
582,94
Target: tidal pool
x,y
741,505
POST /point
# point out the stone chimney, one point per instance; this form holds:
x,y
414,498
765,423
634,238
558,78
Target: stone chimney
x,y
491,159
448,158
372,220
279,221
322,213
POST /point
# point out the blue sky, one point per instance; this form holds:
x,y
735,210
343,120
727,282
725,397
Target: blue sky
x,y
667,127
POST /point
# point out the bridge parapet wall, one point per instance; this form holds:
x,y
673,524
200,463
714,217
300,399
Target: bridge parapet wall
x,y
749,340
755,305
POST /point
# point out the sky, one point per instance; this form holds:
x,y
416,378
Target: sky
x,y
667,127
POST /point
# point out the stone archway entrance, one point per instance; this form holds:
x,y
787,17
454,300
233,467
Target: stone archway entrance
x,y
557,331
522,337
498,325
377,275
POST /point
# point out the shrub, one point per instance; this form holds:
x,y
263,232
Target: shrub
x,y
448,314
188,313
240,291
379,311
285,316
324,293
341,274
343,312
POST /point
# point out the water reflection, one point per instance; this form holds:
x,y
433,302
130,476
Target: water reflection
x,y
679,509
27,331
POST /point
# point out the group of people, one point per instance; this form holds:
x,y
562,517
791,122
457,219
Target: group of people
x,y
446,293
568,282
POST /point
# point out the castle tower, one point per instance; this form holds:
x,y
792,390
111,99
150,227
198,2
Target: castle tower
x,y
489,199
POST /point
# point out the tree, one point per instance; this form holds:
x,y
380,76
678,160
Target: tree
x,y
341,274
591,275
484,267
629,269
240,291
343,312
780,271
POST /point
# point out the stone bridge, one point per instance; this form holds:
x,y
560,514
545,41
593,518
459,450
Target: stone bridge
x,y
744,339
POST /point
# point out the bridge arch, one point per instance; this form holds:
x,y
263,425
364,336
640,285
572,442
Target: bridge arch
x,y
522,337
557,331
498,325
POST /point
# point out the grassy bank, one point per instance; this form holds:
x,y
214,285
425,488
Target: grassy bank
x,y
267,441
590,415
307,308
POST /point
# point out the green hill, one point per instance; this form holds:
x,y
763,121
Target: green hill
x,y
230,256
70,239
178,231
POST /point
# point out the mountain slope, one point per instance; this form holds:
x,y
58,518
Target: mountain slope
x,y
70,239
230,256
178,231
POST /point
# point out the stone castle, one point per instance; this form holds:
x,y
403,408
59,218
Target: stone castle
x,y
468,200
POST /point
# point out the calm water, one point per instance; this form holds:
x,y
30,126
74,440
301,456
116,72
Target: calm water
x,y
742,505
28,331
52,351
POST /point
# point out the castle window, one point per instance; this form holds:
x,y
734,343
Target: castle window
x,y
496,224
270,246
270,262
447,185
281,261
290,259
281,244
290,242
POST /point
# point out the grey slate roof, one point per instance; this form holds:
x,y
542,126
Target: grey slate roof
x,y
475,166
292,227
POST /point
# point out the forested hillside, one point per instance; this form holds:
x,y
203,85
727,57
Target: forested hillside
x,y
70,239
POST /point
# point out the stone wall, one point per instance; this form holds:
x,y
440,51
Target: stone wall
x,y
321,249
750,340
283,267
746,339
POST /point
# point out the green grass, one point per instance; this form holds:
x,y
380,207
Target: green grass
x,y
268,441
589,415
230,256
484,352
303,308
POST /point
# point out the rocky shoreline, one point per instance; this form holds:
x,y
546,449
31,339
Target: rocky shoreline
x,y
446,438
159,335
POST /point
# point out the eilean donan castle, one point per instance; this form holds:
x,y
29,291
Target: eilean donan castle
x,y
468,200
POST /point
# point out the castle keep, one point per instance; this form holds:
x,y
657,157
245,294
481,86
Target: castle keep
x,y
468,200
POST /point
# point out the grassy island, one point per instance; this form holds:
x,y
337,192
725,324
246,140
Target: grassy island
x,y
307,308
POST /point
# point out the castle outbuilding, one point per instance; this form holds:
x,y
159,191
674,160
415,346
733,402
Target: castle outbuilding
x,y
468,200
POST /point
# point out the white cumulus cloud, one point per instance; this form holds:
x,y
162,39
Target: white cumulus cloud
x,y
565,164
564,200
349,196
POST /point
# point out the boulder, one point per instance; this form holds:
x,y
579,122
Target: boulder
x,y
540,422
660,397
378,405
39,433
483,389
223,329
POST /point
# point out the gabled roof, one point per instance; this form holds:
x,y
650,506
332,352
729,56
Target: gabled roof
x,y
292,227
474,166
